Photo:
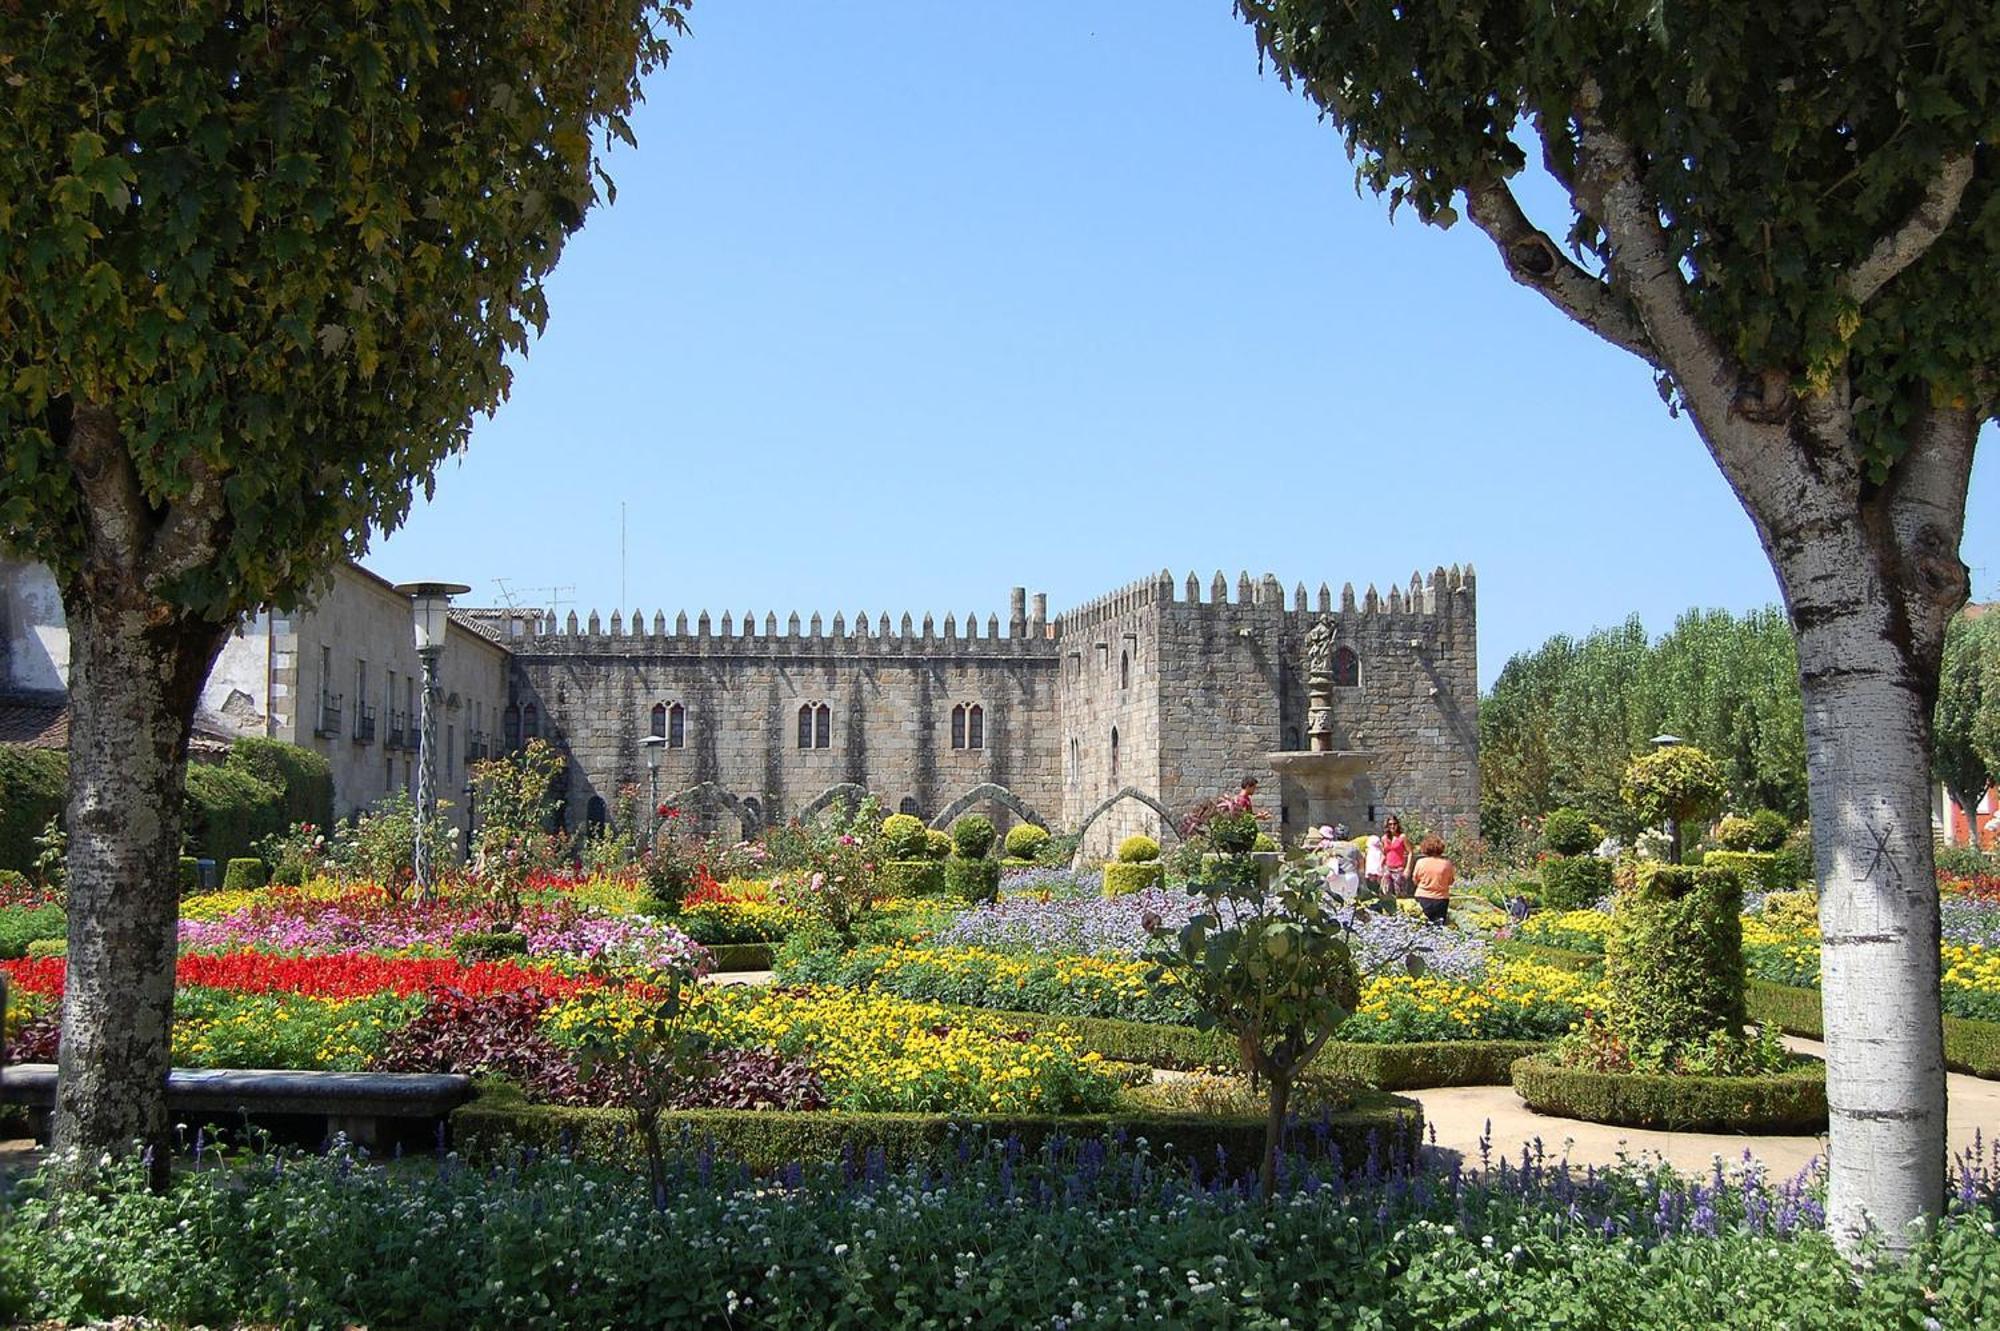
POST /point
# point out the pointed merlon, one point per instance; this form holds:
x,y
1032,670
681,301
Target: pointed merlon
x,y
860,623
659,623
907,629
1299,598
770,624
572,623
638,622
882,624
1244,595
1395,600
1163,588
1193,588
1218,588
839,625
1325,603
1371,602
1347,598
728,625
792,625
596,627
950,626
993,626
818,629
617,625
681,623
930,625
972,624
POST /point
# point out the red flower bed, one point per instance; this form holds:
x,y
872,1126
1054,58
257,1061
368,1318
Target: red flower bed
x,y
344,975
1982,887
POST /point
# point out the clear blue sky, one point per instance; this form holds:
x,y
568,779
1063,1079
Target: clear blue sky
x,y
903,304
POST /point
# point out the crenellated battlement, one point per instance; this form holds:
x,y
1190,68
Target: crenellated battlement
x,y
1447,591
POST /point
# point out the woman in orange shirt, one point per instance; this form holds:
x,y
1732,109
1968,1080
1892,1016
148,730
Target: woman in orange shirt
x,y
1433,876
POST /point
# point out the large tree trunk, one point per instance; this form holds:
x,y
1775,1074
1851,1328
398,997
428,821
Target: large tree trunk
x,y
137,664
1869,621
133,690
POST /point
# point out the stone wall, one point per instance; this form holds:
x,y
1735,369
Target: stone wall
x,y
1113,677
889,694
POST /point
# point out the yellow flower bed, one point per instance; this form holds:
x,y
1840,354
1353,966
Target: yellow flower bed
x,y
215,905
875,1052
1516,1000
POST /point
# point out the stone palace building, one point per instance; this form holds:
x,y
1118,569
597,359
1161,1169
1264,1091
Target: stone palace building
x,y
1110,718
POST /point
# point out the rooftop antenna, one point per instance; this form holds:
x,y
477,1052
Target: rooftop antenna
x,y
554,598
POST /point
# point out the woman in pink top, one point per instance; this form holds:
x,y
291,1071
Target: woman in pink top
x,y
1395,858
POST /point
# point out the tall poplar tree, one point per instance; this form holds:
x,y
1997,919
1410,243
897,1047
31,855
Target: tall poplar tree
x,y
1788,212
260,265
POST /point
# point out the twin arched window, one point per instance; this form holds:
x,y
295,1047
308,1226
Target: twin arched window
x,y
670,723
531,722
968,726
815,726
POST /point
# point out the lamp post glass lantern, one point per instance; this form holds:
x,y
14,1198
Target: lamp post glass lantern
x,y
653,744
430,603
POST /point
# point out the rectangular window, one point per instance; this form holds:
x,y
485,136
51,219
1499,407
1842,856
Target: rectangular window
x,y
325,675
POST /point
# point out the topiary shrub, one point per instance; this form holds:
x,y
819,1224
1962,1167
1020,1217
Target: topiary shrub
x,y
1567,831
489,946
1574,882
34,787
911,878
1735,832
302,777
1025,840
1265,843
937,844
976,881
903,836
244,874
1791,1101
229,811
1673,964
1760,871
190,875
972,836
1680,785
1138,850
1769,829
1123,878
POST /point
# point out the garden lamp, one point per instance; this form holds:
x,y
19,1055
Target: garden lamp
x,y
652,746
430,603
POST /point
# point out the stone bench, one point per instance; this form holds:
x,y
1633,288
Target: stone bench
x,y
354,1103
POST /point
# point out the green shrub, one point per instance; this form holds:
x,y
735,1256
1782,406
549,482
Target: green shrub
x,y
937,843
1769,830
1025,840
1734,832
1673,964
1759,870
1265,842
1796,857
1961,862
1122,879
1138,850
23,925
972,836
190,875
34,787
499,1120
496,945
244,874
973,880
1574,882
740,956
1793,1101
903,836
911,878
229,811
42,948
1971,1047
1567,831
302,777
12,882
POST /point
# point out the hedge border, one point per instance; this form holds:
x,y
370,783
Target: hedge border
x,y
1789,1102
741,956
1383,1067
499,1120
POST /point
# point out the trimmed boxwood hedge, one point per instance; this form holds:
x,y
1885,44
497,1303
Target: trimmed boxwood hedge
x,y
741,956
1971,1047
1385,1067
34,786
1123,879
22,925
245,874
499,1119
302,777
972,880
911,878
1760,870
229,811
1573,882
1793,1101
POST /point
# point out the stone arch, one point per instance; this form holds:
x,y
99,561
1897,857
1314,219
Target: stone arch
x,y
988,793
712,794
1167,819
847,792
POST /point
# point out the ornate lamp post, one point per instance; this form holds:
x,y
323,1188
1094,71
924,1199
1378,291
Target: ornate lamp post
x,y
429,602
652,745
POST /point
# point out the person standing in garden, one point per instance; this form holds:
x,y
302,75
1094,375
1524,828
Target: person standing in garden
x,y
1395,858
1434,874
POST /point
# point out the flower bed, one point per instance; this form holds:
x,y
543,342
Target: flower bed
x,y
1792,1101
1512,1000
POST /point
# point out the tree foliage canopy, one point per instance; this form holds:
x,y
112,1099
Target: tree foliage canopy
x,y
287,249
1967,728
1562,720
1797,154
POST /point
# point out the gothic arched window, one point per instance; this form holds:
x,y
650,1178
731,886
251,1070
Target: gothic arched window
x,y
958,726
676,726
805,725
1114,753
1124,670
815,726
1346,668
975,727
659,720
531,722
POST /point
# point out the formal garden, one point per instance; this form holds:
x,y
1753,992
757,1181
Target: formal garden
x,y
1161,1063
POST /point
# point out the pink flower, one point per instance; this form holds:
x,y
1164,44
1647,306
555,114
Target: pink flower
x,y
819,882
